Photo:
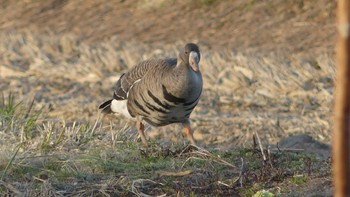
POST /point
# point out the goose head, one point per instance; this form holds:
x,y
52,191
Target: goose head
x,y
191,56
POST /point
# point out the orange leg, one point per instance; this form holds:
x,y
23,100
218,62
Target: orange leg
x,y
140,129
188,132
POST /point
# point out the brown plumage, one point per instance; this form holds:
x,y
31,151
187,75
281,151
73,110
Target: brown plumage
x,y
159,91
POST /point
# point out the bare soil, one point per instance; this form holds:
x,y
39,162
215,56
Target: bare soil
x,y
265,26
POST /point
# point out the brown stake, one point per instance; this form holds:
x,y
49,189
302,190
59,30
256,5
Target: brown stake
x,y
341,133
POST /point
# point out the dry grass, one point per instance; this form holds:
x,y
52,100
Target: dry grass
x,y
274,95
67,160
268,72
53,148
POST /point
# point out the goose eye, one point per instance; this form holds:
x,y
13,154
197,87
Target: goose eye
x,y
186,53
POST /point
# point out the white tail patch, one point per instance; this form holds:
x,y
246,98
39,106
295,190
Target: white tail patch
x,y
120,107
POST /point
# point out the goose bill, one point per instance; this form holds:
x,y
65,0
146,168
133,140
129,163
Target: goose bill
x,y
194,61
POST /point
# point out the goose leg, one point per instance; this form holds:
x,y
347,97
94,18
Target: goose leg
x,y
140,129
188,132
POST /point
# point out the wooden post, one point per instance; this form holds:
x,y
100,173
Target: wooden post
x,y
341,133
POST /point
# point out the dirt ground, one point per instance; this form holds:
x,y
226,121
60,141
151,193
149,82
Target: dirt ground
x,y
264,26
268,67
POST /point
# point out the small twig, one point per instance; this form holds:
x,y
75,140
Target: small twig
x,y
174,174
39,179
278,147
308,165
188,147
241,173
261,148
22,137
254,142
287,149
269,154
96,122
222,183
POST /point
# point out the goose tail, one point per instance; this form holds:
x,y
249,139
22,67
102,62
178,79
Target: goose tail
x,y
105,107
115,107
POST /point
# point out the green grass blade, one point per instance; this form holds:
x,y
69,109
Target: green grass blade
x,y
11,161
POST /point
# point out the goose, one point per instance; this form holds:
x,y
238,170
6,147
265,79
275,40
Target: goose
x,y
159,92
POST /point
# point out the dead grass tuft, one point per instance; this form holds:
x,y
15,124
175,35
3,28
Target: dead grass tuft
x,y
55,145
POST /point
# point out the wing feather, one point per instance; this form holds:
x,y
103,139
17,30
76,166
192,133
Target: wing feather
x,y
128,79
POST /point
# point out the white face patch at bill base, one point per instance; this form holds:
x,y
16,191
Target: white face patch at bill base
x,y
120,107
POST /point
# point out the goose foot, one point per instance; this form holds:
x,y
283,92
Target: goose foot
x,y
140,129
188,132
